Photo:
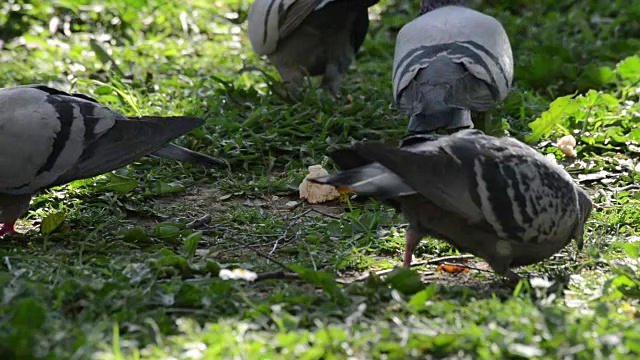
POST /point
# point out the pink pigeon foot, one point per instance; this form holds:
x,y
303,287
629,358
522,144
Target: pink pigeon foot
x,y
7,228
412,239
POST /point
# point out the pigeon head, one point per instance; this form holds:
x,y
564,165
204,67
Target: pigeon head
x,y
428,5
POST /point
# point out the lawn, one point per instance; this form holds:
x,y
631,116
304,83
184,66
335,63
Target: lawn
x,y
136,263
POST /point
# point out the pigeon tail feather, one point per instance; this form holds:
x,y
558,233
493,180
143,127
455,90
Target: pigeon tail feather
x,y
127,141
363,176
175,152
450,119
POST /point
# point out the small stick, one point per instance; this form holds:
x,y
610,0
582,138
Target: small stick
x,y
286,231
442,259
425,262
277,275
297,205
377,273
313,262
325,214
263,255
199,223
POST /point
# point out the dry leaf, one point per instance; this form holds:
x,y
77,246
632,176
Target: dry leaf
x,y
452,269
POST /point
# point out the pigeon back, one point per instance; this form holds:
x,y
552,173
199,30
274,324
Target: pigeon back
x,y
466,36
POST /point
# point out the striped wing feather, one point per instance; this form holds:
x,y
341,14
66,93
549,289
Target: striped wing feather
x,y
487,180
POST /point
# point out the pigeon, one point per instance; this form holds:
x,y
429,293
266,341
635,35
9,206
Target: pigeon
x,y
49,138
495,198
449,61
309,37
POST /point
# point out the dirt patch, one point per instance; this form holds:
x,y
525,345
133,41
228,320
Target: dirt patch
x,y
206,200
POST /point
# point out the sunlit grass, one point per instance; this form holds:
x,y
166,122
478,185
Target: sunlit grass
x,y
107,267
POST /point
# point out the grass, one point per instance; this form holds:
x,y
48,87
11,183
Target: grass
x,y
106,268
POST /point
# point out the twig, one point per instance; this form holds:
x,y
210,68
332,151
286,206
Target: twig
x,y
286,231
272,259
206,232
313,262
377,273
282,237
325,214
365,276
294,221
277,275
263,255
425,262
442,259
297,205
199,223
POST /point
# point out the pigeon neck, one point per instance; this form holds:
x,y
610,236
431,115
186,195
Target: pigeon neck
x,y
428,5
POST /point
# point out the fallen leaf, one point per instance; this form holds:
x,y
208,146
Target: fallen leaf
x,y
452,269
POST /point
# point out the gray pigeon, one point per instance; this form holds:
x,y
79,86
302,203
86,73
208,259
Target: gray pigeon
x,y
309,37
450,61
496,198
49,138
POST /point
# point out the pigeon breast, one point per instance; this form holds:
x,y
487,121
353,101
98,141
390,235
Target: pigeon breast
x,y
48,138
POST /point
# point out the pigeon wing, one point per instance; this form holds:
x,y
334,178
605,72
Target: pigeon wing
x,y
502,182
291,18
433,172
126,141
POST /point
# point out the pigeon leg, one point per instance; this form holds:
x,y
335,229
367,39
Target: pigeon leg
x,y
412,239
500,264
332,79
7,228
293,78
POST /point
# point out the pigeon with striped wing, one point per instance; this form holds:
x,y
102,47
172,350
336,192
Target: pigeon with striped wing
x,y
496,198
309,37
49,138
450,61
